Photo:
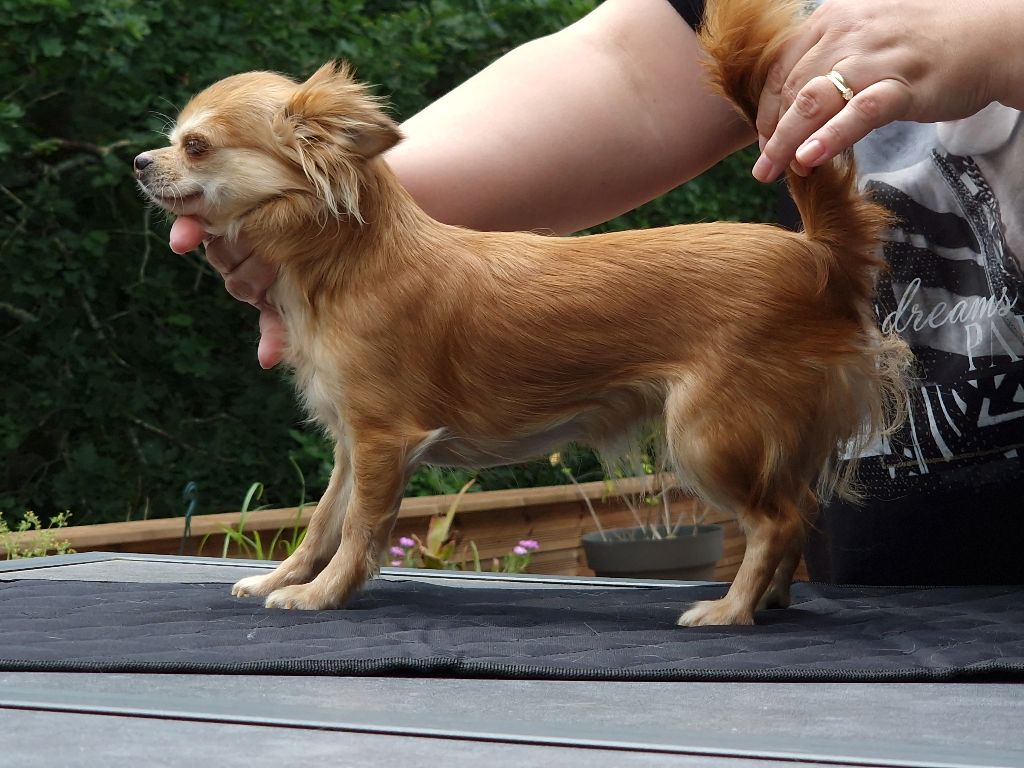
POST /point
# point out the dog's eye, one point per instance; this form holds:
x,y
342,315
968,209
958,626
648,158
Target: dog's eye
x,y
195,147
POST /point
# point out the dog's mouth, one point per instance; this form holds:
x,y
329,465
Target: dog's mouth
x,y
171,198
176,201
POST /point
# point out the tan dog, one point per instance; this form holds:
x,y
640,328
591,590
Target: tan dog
x,y
414,341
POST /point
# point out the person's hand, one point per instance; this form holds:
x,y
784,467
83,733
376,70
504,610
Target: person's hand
x,y
247,277
920,60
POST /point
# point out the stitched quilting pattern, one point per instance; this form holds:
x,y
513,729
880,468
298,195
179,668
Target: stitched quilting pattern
x,y
413,627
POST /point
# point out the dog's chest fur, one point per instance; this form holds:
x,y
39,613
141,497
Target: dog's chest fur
x,y
318,378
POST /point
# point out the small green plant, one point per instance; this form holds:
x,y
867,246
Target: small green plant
x,y
251,545
653,512
556,461
44,542
437,551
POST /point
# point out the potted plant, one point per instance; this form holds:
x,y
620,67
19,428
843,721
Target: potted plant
x,y
658,546
687,552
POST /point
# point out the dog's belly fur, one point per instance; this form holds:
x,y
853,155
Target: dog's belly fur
x,y
448,449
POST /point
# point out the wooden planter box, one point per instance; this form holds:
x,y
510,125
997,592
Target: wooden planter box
x,y
555,516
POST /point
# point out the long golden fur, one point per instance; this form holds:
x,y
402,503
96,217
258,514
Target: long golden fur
x,y
413,341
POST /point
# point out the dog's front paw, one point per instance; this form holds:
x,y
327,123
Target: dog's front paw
x,y
255,586
715,612
300,597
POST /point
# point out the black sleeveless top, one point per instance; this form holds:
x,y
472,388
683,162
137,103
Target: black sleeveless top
x,y
691,10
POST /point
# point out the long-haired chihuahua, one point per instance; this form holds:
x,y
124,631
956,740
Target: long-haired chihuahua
x,y
413,341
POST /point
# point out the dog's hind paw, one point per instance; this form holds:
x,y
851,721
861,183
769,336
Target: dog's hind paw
x,y
775,597
301,597
714,612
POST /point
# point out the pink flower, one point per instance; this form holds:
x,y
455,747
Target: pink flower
x,y
529,544
396,563
520,551
406,542
397,551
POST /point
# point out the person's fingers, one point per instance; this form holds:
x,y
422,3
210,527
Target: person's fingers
x,y
272,338
250,280
875,106
815,104
226,256
186,234
247,279
769,107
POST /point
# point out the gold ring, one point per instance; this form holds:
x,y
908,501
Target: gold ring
x,y
840,82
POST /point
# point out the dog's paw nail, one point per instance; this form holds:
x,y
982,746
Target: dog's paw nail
x,y
692,618
251,586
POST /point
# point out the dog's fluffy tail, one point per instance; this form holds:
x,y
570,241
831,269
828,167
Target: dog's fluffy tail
x,y
743,38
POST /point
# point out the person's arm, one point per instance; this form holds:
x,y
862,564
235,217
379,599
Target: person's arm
x,y
559,134
572,129
920,60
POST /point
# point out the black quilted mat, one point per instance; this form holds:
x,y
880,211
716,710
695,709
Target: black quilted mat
x,y
416,628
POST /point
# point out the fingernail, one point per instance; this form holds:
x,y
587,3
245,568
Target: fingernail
x,y
810,152
764,169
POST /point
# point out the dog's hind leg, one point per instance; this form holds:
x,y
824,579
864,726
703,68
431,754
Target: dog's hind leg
x,y
381,465
717,442
777,595
323,536
770,540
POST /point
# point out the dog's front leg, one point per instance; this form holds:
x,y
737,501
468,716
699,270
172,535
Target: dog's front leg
x,y
379,472
323,536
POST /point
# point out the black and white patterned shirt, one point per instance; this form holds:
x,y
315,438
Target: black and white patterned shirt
x,y
944,497
955,289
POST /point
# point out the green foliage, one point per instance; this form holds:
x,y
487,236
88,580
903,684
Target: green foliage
x,y
439,548
128,370
43,540
250,545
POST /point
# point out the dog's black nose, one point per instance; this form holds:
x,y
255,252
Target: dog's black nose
x,y
142,162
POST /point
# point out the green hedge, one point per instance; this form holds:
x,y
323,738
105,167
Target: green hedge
x,y
127,370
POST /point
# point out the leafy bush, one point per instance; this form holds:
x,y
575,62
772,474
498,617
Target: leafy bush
x,y
128,370
30,538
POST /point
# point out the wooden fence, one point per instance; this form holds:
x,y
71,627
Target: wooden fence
x,y
555,516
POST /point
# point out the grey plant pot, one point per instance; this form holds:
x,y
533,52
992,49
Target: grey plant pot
x,y
629,552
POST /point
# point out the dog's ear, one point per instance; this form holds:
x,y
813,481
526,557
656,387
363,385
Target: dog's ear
x,y
331,105
331,126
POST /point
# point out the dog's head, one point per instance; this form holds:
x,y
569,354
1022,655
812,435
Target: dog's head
x,y
260,136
